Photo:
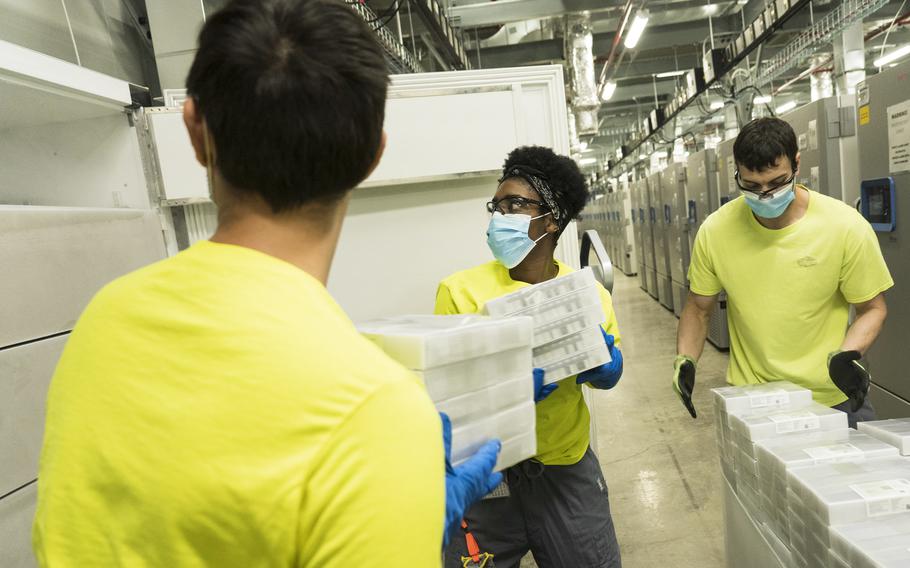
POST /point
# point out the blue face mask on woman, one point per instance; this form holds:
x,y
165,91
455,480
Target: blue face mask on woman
x,y
507,237
774,206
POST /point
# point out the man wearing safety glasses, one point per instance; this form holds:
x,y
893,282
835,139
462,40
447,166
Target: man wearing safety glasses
x,y
792,262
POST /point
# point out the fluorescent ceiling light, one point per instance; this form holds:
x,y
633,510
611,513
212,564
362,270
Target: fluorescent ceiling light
x,y
716,105
711,9
637,28
583,146
609,89
743,2
666,74
786,107
587,161
893,56
762,100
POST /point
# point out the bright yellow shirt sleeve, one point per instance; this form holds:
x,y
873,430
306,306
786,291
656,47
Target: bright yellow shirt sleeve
x,y
702,277
386,467
864,274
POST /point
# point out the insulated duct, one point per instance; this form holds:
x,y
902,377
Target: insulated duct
x,y
821,81
580,50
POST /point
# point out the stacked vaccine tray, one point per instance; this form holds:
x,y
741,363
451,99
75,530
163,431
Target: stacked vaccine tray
x,y
878,543
750,428
825,497
747,399
895,432
777,456
567,313
476,369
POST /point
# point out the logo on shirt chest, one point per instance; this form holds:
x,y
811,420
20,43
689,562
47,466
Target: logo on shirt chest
x,y
807,261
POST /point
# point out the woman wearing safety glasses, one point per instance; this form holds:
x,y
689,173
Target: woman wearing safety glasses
x,y
556,504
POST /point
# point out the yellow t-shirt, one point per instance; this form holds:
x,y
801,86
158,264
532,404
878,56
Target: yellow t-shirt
x,y
219,409
788,291
563,420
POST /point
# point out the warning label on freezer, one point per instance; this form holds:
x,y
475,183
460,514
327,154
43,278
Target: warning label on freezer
x,y
835,453
884,497
899,137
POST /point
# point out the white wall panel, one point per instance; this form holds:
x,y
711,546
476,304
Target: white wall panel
x,y
55,259
17,512
25,373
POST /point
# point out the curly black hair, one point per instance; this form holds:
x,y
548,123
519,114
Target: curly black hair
x,y
562,175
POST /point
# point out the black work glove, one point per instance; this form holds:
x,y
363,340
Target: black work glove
x,y
684,381
849,376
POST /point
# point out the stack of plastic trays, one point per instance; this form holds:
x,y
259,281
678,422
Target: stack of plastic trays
x,y
831,495
752,427
878,543
895,432
567,313
476,369
777,456
748,399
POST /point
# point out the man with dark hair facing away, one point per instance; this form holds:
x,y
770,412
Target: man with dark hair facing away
x,y
792,262
218,408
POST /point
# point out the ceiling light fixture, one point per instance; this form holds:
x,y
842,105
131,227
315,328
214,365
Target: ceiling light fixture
x,y
711,9
893,56
587,161
786,107
717,105
762,100
666,74
637,28
609,89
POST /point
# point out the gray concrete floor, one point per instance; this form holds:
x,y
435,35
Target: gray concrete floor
x,y
660,464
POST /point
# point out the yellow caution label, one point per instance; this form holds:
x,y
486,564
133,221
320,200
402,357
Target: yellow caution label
x,y
864,114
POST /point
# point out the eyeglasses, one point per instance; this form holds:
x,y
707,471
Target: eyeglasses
x,y
766,194
513,205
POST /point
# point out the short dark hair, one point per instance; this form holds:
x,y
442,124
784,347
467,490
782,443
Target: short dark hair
x,y
762,142
563,176
293,93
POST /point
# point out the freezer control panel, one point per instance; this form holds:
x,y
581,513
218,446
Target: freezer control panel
x,y
878,203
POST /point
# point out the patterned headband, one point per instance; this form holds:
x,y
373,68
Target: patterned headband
x,y
539,182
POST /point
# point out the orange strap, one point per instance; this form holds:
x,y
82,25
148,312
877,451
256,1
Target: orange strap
x,y
473,548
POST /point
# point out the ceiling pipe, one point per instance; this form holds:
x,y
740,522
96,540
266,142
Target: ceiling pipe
x,y
617,37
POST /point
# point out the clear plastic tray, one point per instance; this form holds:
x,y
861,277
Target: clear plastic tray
x,y
577,363
559,308
475,405
853,492
508,424
517,450
541,293
749,398
471,375
775,423
584,340
777,455
895,432
855,543
588,317
424,342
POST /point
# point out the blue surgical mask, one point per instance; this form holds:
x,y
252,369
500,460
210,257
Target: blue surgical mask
x,y
771,207
507,237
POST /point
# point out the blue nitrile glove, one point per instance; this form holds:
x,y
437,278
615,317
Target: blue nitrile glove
x,y
469,482
607,375
542,391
